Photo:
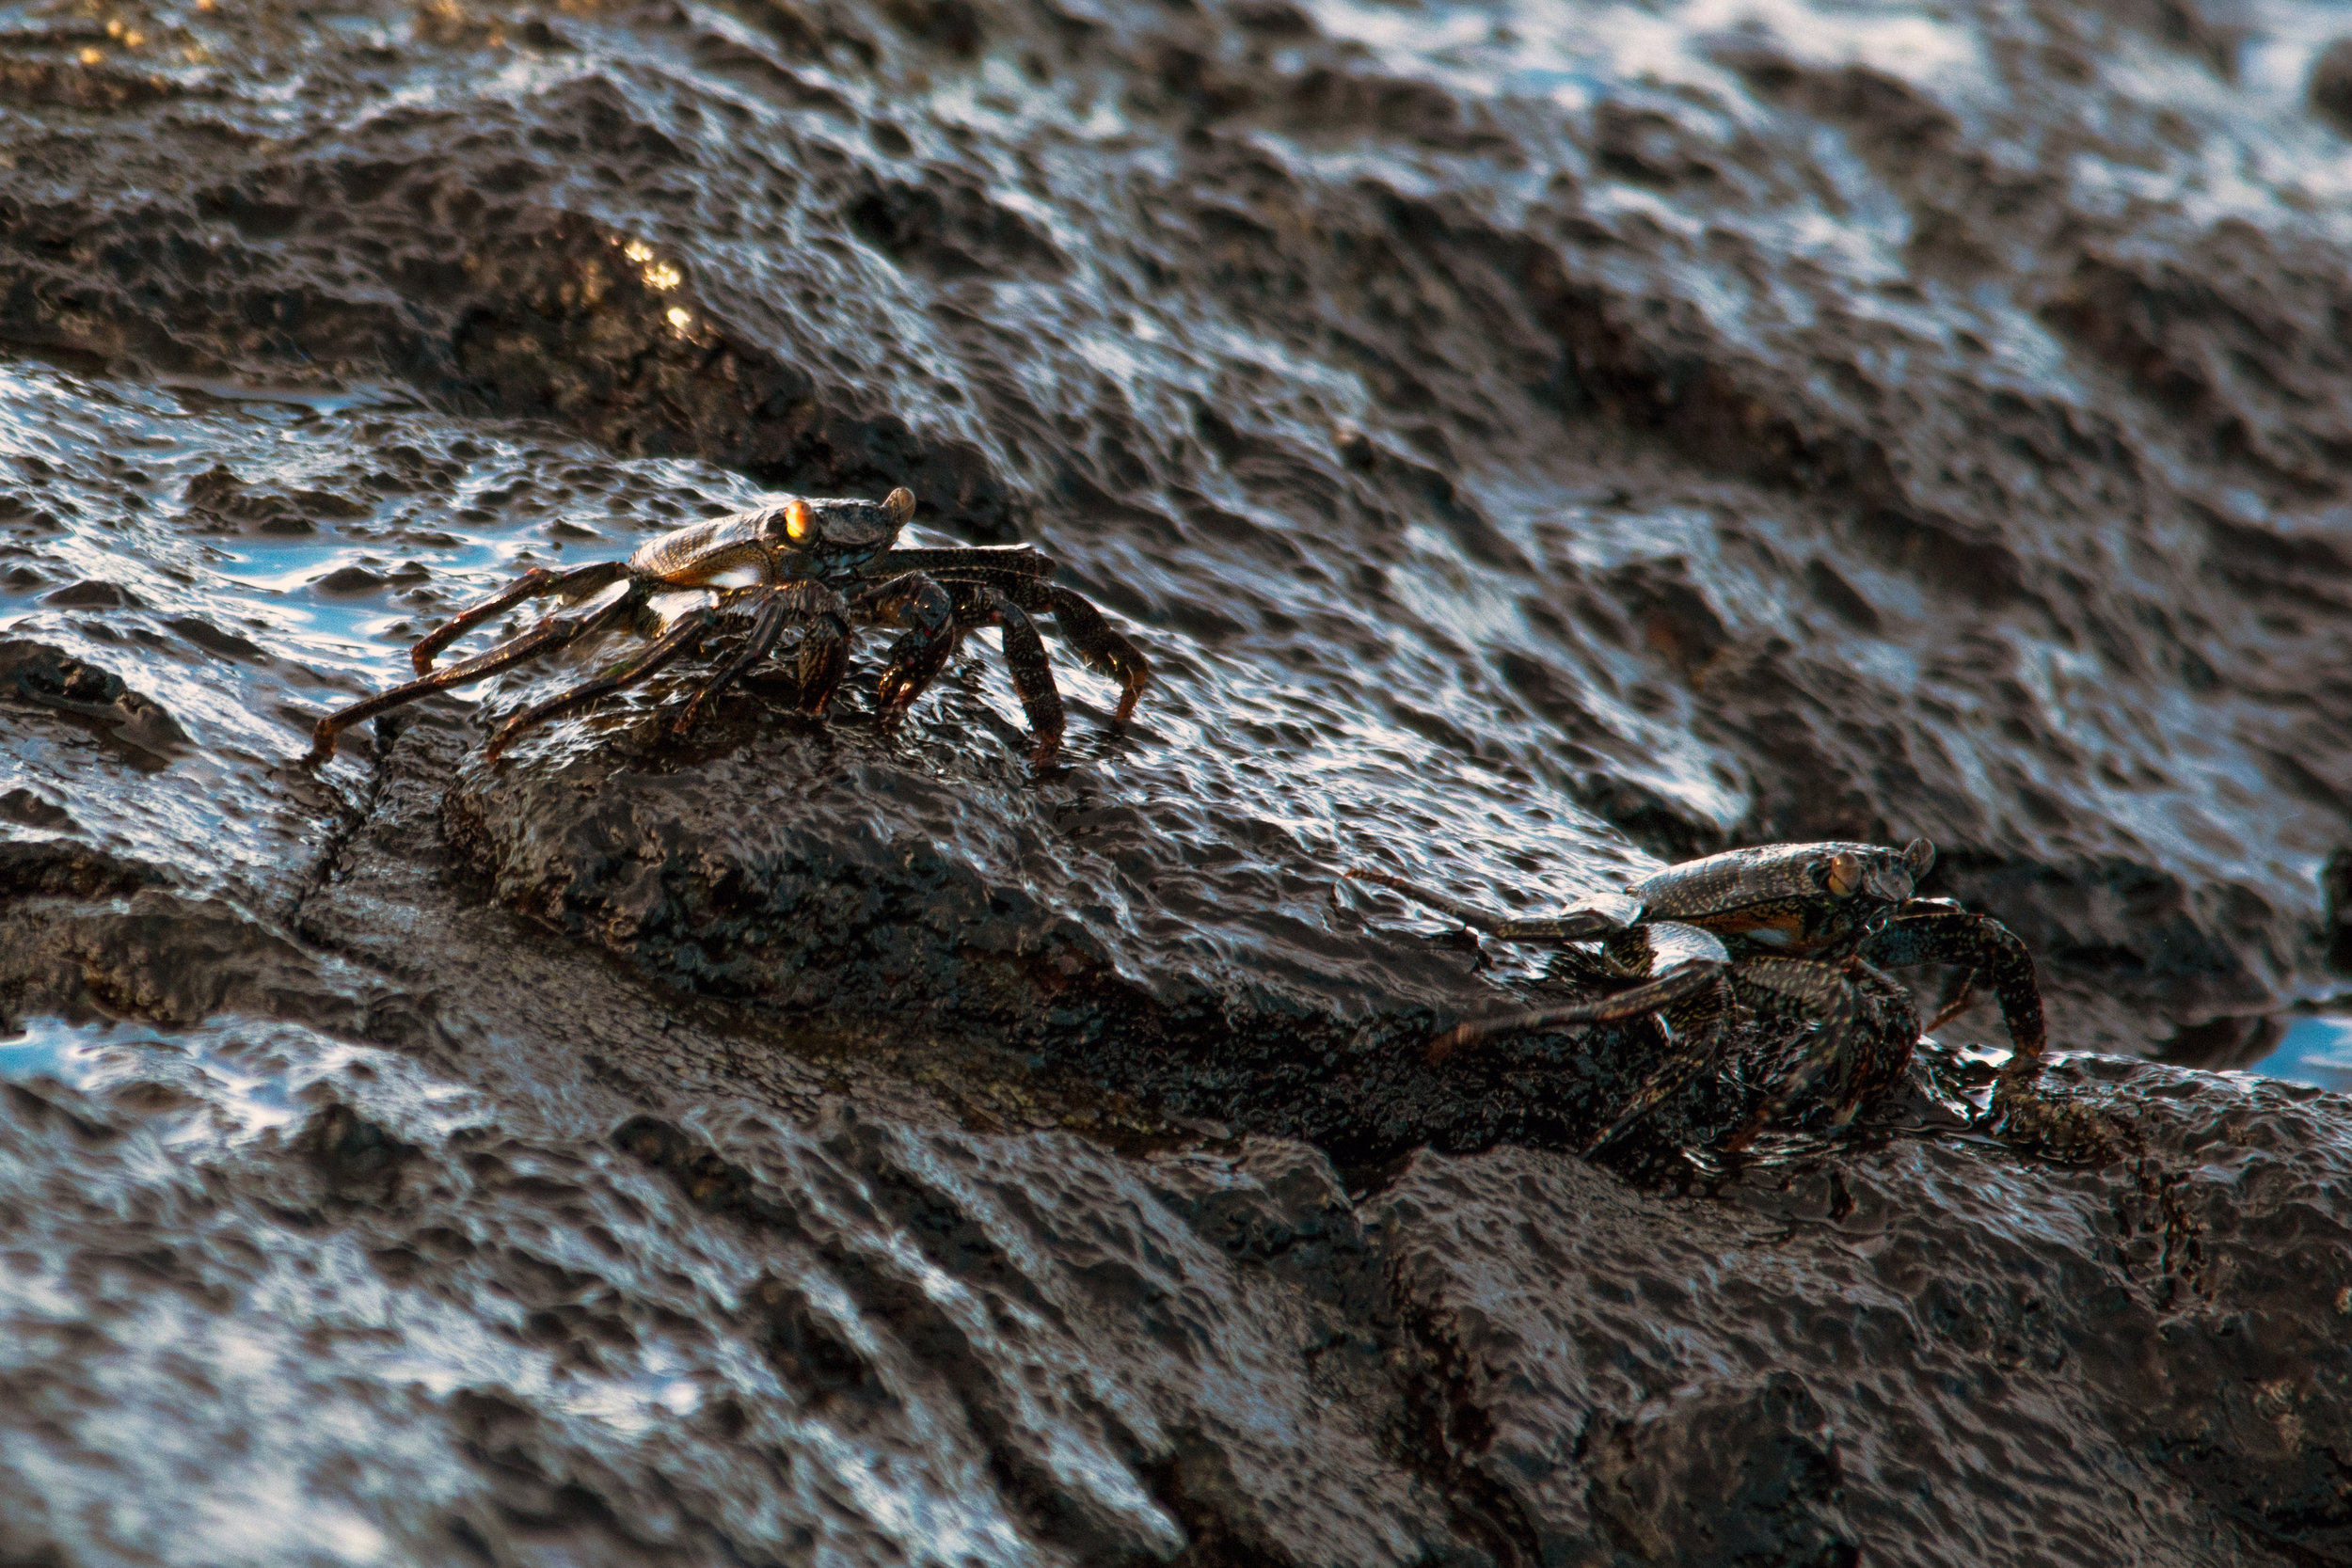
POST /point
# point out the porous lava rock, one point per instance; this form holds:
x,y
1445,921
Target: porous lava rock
x,y
809,872
1529,447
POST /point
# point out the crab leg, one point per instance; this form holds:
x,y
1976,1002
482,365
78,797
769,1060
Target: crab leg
x,y
1927,931
1032,679
825,659
1704,1020
980,605
928,612
550,633
988,593
1676,985
1016,563
1822,991
1576,926
779,609
674,642
536,583
1105,650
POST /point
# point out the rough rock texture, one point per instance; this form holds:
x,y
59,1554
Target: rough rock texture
x,y
834,876
1529,443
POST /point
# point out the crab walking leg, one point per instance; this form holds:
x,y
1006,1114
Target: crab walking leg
x,y
538,582
1032,679
1822,991
780,607
928,612
1576,926
1103,649
672,644
1002,564
550,633
1928,931
1703,1020
825,659
1959,996
1685,980
977,603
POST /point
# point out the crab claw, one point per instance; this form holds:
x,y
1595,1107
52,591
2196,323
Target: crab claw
x,y
908,675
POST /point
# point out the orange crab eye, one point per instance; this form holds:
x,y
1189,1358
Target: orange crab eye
x,y
1845,874
799,523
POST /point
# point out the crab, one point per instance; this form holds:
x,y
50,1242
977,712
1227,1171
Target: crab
x,y
823,565
1797,921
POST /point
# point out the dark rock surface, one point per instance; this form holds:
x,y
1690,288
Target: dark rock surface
x,y
1528,443
804,874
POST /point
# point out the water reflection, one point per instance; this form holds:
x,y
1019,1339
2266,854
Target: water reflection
x,y
229,1080
2313,1051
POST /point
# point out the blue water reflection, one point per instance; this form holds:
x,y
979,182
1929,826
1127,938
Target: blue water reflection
x,y
230,1079
2313,1051
46,1049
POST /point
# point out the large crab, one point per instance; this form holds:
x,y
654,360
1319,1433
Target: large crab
x,y
825,566
1797,921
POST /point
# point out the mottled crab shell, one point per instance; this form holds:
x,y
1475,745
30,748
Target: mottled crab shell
x,y
734,552
1781,874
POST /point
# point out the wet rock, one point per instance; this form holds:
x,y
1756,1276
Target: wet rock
x,y
48,677
820,1338
359,1159
2335,882
213,639
1576,1439
23,806
2330,88
220,494
350,579
1541,364
52,866
1763,1448
90,594
795,1141
571,301
830,874
951,232
79,86
157,956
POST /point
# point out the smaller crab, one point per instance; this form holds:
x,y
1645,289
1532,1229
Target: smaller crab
x,y
823,566
1793,920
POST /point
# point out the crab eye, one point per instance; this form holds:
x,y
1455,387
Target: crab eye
x,y
798,522
1845,874
1919,859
